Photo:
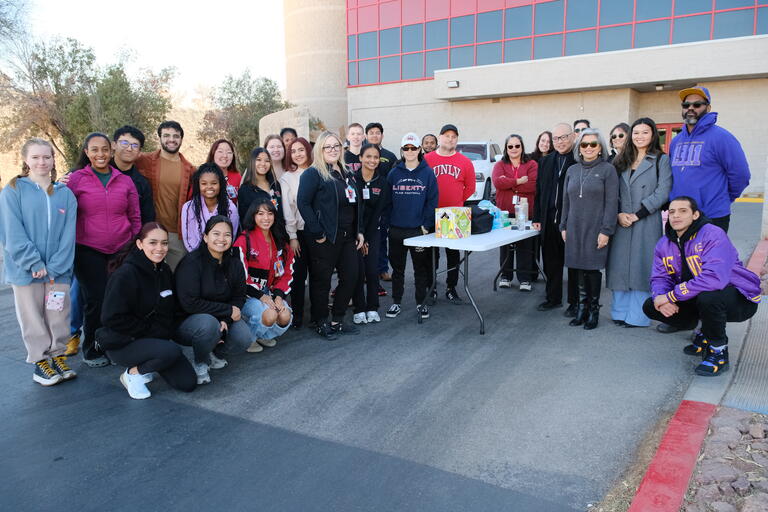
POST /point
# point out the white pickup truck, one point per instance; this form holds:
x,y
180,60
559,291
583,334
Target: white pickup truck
x,y
483,156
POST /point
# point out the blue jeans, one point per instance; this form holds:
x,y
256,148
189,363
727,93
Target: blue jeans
x,y
252,312
202,332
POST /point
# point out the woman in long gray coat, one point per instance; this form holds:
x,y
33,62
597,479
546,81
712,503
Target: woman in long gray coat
x,y
590,204
645,179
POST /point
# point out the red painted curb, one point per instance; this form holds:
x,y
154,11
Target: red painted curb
x,y
666,480
757,260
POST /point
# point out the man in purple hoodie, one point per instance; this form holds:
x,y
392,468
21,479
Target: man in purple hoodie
x,y
696,276
708,163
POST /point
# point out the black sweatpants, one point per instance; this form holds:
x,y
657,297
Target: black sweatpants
x,y
155,355
91,273
300,268
324,257
367,288
524,253
421,258
453,256
713,308
553,256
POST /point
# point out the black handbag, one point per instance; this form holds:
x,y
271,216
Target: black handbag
x,y
482,221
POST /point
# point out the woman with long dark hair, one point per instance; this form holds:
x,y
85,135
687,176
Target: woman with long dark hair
x,y
268,260
645,180
140,314
223,154
619,136
259,182
543,146
37,232
108,217
209,198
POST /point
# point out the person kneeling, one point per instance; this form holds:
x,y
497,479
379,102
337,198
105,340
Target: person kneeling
x,y
139,313
696,276
267,259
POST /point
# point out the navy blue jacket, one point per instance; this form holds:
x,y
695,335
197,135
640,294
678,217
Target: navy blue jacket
x,y
413,196
318,204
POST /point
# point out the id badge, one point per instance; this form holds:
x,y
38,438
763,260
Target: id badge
x,y
54,301
351,194
231,192
366,193
515,199
279,268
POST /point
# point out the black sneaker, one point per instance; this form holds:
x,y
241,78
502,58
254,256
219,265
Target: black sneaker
x,y
423,311
715,363
59,364
453,297
342,329
45,375
547,305
698,347
325,330
570,311
393,311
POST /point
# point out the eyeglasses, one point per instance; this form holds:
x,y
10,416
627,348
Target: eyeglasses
x,y
514,146
562,138
696,104
128,145
578,130
592,144
619,135
409,148
332,147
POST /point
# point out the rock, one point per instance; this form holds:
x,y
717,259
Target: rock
x,y
757,431
721,506
761,485
726,490
714,450
715,472
760,459
741,485
729,435
755,503
760,445
707,493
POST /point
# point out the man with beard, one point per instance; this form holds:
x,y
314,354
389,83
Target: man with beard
x,y
168,173
548,208
708,163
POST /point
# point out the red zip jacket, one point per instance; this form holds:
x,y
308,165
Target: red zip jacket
x,y
267,269
505,178
455,178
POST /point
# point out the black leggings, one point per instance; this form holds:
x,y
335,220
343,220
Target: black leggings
x,y
91,273
367,288
155,355
298,285
326,256
421,258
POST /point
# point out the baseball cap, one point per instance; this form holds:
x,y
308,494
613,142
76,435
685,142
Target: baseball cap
x,y
410,139
701,91
449,127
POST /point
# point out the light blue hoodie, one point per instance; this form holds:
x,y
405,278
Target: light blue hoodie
x,y
37,232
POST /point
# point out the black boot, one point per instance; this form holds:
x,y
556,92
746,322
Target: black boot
x,y
582,308
594,280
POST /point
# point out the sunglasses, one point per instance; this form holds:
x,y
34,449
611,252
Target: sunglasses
x,y
696,104
578,130
409,148
592,144
618,135
514,146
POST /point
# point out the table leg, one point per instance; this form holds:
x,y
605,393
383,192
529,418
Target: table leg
x,y
469,294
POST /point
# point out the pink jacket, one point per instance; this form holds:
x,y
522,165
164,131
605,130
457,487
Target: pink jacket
x,y
107,218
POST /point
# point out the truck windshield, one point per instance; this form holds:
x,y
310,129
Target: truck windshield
x,y
473,151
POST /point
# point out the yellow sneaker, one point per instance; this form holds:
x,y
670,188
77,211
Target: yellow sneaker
x,y
73,345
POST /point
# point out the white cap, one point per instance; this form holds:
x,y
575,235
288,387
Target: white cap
x,y
411,139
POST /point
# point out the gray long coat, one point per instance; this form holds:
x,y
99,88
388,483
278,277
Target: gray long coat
x,y
630,256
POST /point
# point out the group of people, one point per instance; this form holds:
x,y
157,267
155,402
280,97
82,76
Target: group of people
x,y
147,253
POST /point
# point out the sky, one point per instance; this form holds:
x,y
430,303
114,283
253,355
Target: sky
x,y
204,41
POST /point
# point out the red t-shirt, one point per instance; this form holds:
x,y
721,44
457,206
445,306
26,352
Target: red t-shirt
x,y
233,184
455,178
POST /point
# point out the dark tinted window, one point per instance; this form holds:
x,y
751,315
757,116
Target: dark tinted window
x,y
615,38
581,14
692,6
368,71
653,33
580,42
352,70
762,20
518,22
389,69
352,47
488,53
413,66
366,45
692,28
651,9
549,17
489,26
389,41
437,34
463,30
734,24
519,49
616,11
413,38
548,46
462,57
436,60
727,4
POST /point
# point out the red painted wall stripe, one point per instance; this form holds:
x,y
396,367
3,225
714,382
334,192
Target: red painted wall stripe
x,y
666,480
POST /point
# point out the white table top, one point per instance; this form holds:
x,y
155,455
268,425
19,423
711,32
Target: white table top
x,y
486,241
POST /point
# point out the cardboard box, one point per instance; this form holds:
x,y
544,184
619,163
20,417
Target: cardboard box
x,y
453,222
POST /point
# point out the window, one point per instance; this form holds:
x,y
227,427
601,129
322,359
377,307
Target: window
x,y
463,30
436,60
653,33
616,11
729,4
615,38
549,17
762,20
368,71
352,47
366,45
489,26
473,151
389,68
518,22
413,66
437,34
413,38
581,14
580,42
352,70
651,9
462,57
517,50
691,28
489,53
692,6
389,41
548,46
734,24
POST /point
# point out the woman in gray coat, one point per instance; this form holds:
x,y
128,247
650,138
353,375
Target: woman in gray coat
x,y
590,204
645,179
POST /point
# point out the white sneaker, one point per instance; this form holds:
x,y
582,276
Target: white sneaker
x,y
505,283
372,316
525,286
255,347
201,369
267,342
148,377
135,385
359,318
216,363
